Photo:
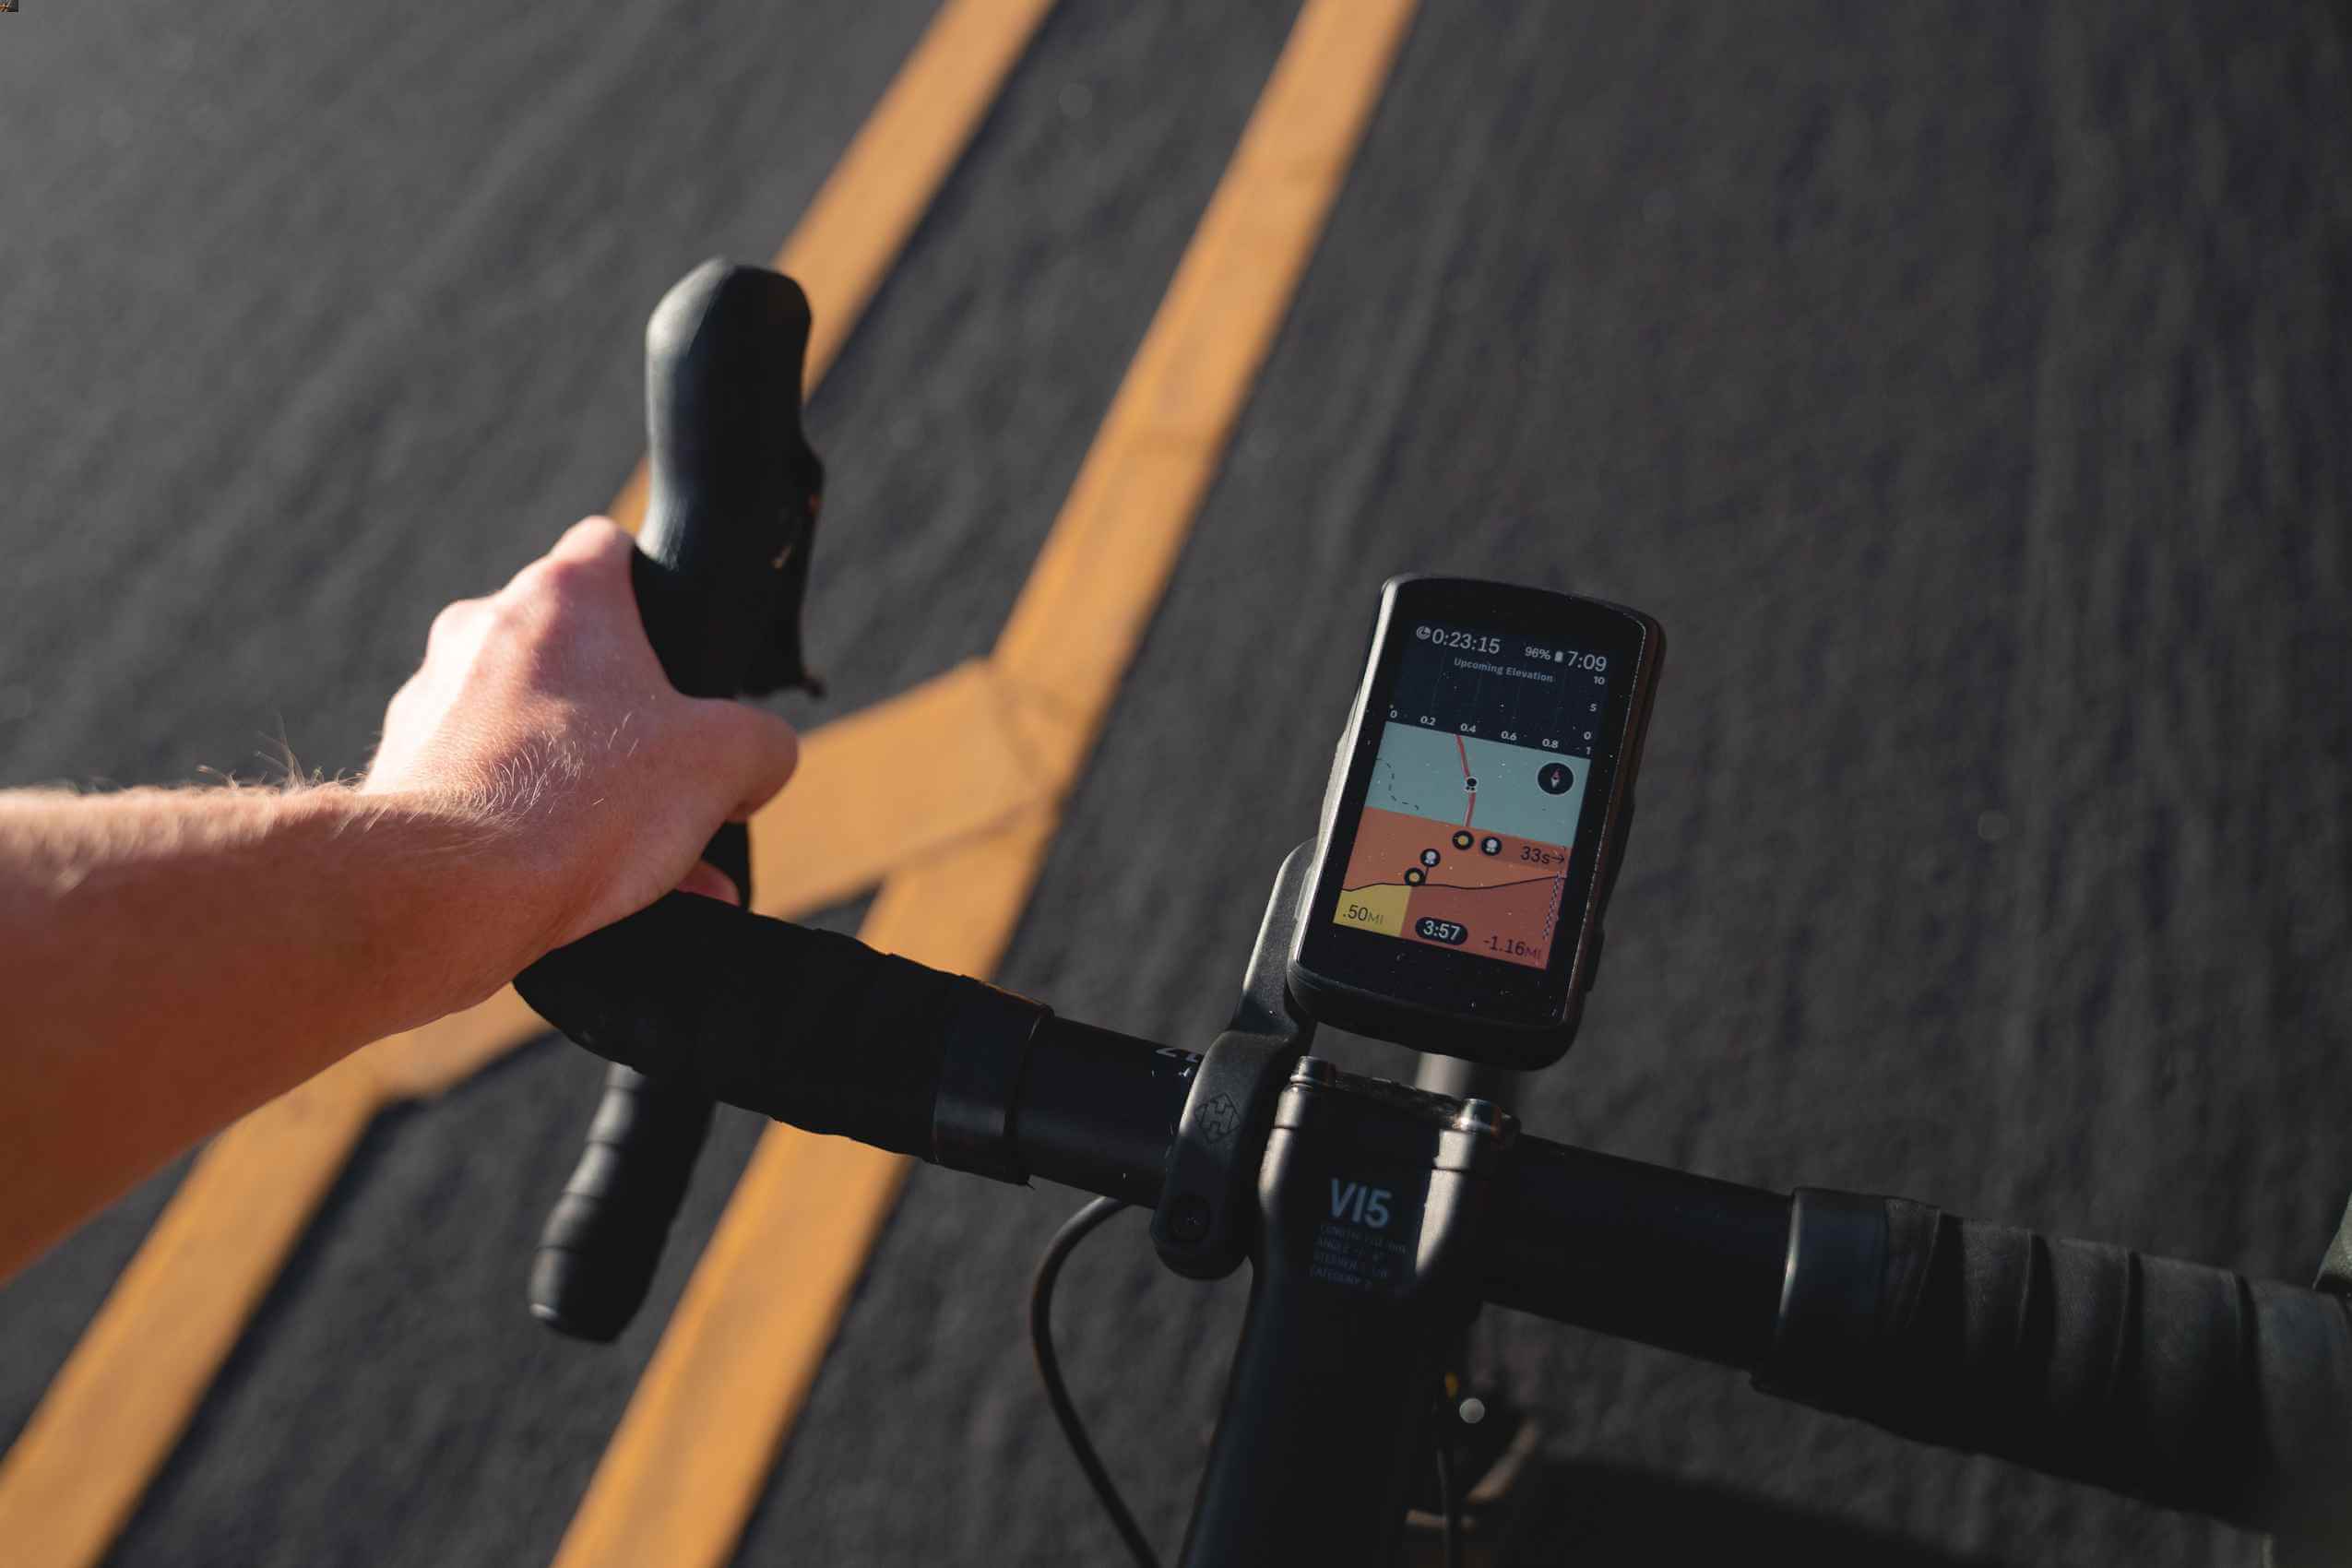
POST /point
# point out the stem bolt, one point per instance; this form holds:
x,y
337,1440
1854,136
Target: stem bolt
x,y
1313,1072
1484,1118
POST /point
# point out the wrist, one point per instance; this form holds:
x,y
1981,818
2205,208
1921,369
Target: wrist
x,y
452,892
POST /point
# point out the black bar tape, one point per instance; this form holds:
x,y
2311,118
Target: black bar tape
x,y
807,1027
2186,1386
603,1241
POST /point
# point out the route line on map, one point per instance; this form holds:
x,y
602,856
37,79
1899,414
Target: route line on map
x,y
1457,887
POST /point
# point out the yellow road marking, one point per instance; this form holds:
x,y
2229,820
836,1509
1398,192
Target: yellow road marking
x,y
1166,433
119,1404
693,1449
126,1392
863,214
860,220
896,783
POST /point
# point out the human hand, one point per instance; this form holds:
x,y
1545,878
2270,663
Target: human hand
x,y
543,713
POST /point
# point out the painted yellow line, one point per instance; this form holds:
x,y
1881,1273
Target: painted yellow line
x,y
866,210
120,1402
898,782
118,1406
862,219
1167,430
693,1452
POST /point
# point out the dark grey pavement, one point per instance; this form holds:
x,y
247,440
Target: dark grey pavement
x,y
1963,385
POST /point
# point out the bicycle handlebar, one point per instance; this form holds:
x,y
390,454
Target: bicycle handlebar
x,y
2178,1382
2182,1385
720,568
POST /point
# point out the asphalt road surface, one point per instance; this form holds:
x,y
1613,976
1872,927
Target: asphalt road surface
x,y
1963,385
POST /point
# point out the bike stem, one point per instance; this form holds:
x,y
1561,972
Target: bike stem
x,y
1363,1270
1360,1219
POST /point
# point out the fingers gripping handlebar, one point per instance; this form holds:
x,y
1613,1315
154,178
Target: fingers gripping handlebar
x,y
720,573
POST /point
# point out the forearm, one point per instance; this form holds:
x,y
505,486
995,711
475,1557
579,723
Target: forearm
x,y
262,936
170,959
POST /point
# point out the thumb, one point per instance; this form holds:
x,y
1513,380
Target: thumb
x,y
755,753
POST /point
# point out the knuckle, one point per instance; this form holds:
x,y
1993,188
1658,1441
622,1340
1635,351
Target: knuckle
x,y
559,580
527,581
593,537
453,620
572,575
513,614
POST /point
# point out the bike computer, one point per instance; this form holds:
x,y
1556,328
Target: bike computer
x,y
1476,807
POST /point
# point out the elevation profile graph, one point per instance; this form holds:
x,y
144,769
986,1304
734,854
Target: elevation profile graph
x,y
1463,843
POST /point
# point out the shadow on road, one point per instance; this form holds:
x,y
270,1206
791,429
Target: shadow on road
x,y
1602,1515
